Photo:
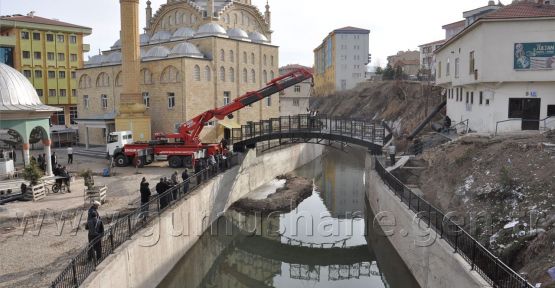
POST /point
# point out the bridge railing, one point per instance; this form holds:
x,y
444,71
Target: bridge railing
x,y
491,268
355,128
121,230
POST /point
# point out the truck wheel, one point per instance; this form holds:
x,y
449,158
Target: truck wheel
x,y
121,160
139,162
175,162
188,162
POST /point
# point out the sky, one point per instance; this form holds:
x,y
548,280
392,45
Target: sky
x,y
299,25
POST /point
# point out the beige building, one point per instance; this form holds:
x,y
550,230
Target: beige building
x,y
409,61
295,100
195,56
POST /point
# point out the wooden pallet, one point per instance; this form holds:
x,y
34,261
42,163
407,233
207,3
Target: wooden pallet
x,y
97,194
38,192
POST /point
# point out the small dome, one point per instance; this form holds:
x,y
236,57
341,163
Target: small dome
x,y
117,45
210,29
157,52
258,37
237,33
186,49
183,33
160,36
113,58
144,39
17,93
95,60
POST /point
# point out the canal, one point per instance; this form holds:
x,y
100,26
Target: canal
x,y
329,240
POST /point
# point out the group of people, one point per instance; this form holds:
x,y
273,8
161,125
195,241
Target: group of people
x,y
61,171
164,185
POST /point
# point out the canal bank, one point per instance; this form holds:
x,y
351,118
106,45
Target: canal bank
x,y
146,259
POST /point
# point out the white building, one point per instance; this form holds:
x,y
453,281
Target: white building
x,y
340,61
500,68
427,57
295,100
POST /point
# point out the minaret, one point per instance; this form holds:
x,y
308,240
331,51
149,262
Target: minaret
x,y
268,15
131,113
148,14
210,9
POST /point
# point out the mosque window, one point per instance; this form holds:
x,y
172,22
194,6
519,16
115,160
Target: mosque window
x,y
207,73
265,60
171,100
84,81
272,60
222,55
245,57
231,56
265,75
252,58
147,76
86,101
231,75
118,80
245,80
170,75
222,74
253,76
227,97
269,101
103,80
104,101
272,75
196,73
146,99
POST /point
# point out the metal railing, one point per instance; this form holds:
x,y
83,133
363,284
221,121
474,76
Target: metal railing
x,y
354,128
544,120
121,230
491,268
464,124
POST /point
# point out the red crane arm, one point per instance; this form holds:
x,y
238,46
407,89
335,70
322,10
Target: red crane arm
x,y
189,131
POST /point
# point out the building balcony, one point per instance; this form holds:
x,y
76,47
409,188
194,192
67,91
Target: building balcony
x,y
7,40
86,47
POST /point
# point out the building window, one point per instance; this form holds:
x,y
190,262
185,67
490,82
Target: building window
x,y
272,75
196,73
72,114
37,55
73,75
104,101
481,97
245,57
171,100
231,75
50,56
252,58
471,63
231,56
25,35
448,68
86,101
296,102
265,60
472,97
245,74
269,101
222,55
227,97
207,73
62,74
52,74
63,93
61,57
467,97
36,36
222,74
59,118
146,99
457,68
550,110
272,60
61,38
50,37
253,76
516,106
38,73
73,57
439,69
73,92
27,73
73,39
26,55
297,88
51,92
40,93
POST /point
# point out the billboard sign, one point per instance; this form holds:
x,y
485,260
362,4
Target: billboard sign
x,y
534,56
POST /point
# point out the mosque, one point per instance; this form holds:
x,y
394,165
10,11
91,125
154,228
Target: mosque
x,y
194,56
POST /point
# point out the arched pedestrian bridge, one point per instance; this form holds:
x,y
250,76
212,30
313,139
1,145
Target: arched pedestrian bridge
x,y
321,129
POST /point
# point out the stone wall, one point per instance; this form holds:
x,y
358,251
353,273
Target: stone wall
x,y
145,260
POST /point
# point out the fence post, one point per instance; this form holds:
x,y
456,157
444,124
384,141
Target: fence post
x,y
129,226
456,243
112,240
74,270
473,257
410,200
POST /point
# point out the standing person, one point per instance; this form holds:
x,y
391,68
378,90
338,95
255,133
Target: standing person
x,y
392,151
43,167
174,178
69,155
64,173
96,230
185,177
54,159
446,123
145,197
40,161
161,187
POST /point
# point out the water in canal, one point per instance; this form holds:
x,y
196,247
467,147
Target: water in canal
x,y
327,241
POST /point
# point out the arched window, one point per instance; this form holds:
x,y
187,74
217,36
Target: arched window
x,y
245,57
231,75
222,74
253,76
184,18
231,56
118,80
85,82
252,58
235,21
207,73
265,60
103,80
272,60
170,74
146,77
196,73
245,80
272,75
222,55
265,75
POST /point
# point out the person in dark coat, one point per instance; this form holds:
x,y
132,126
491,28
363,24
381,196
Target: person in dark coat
x,y
198,168
185,177
162,187
54,159
96,230
145,197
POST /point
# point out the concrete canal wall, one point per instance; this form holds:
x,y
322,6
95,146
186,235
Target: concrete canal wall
x,y
150,255
431,260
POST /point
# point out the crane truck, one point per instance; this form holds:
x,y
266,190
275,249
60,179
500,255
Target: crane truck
x,y
184,148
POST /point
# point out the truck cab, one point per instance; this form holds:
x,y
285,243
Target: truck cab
x,y
118,140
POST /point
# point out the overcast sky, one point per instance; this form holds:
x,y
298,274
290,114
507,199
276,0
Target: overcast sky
x,y
299,25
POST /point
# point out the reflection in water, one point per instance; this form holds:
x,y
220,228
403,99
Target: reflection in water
x,y
322,243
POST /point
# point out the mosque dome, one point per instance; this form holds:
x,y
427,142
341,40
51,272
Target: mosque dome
x,y
113,58
210,29
17,93
117,45
237,33
258,37
144,39
183,33
160,36
186,49
156,52
95,60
